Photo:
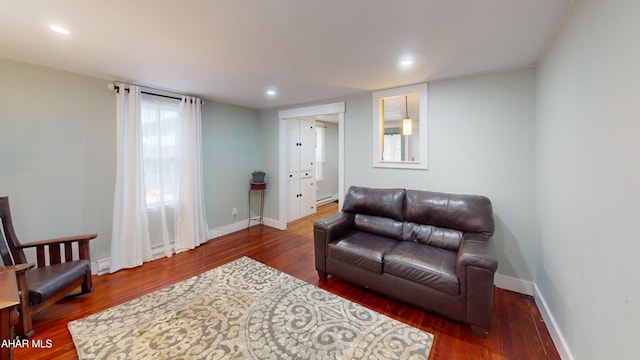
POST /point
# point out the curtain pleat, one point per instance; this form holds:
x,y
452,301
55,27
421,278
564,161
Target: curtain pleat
x,y
190,217
130,244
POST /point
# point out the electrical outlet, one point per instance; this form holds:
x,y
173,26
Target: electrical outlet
x,y
234,211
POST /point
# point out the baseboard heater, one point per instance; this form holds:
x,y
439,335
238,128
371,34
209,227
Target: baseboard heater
x,y
326,199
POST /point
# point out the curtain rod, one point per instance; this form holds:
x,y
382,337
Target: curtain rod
x,y
117,89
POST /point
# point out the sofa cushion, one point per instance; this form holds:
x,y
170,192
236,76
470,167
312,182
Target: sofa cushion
x,y
466,213
427,265
449,239
388,203
362,250
46,281
379,226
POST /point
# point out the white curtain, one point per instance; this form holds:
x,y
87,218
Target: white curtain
x,y
160,118
190,218
159,195
130,245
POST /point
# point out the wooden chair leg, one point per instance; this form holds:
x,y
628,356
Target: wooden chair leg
x,y
24,328
479,331
6,332
87,284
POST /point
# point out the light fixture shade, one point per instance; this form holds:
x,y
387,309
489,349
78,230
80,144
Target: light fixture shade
x,y
407,126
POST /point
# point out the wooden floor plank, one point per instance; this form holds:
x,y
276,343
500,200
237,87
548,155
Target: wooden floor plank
x,y
517,331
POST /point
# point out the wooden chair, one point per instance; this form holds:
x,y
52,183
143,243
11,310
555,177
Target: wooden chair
x,y
55,275
9,302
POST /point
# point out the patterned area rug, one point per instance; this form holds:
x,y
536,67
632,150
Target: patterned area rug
x,y
245,310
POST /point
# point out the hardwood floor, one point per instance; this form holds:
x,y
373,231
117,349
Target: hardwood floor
x,y
517,330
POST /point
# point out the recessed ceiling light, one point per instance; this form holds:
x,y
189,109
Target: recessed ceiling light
x,y
406,62
59,29
271,92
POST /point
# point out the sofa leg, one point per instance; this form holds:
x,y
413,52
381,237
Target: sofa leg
x,y
322,275
479,331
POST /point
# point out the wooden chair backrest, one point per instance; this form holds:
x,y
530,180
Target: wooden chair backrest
x,y
10,249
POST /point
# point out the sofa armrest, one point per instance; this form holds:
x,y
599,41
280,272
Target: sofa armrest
x,y
326,231
477,264
477,250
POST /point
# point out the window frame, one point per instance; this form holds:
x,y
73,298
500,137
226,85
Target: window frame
x,y
378,127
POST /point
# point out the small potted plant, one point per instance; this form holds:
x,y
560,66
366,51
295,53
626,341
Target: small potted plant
x,y
257,176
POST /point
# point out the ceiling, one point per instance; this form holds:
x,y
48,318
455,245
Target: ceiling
x,y
233,51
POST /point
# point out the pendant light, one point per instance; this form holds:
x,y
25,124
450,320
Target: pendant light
x,y
407,122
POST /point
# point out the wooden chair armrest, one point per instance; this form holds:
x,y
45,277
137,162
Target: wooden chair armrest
x,y
9,294
62,240
54,248
18,268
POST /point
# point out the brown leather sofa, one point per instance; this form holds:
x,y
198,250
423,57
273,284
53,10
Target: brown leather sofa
x,y
432,250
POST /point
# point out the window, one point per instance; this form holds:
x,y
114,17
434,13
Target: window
x,y
159,116
320,150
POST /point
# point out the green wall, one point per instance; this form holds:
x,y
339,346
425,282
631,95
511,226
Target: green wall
x,y
587,176
231,146
481,141
57,155
57,152
57,141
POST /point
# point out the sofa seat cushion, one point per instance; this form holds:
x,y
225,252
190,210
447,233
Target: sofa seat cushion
x,y
46,281
427,265
362,249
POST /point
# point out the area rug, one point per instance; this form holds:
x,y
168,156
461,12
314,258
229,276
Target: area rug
x,y
245,310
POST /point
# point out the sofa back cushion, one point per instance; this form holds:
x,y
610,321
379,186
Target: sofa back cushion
x,y
442,219
377,211
386,203
379,225
444,238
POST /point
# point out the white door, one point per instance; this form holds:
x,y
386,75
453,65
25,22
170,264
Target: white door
x,y
307,144
293,145
301,157
307,196
293,197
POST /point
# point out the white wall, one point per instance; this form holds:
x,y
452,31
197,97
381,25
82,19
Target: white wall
x,y
587,177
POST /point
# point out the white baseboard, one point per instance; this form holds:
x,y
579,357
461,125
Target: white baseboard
x,y
227,229
240,225
157,251
557,336
514,284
